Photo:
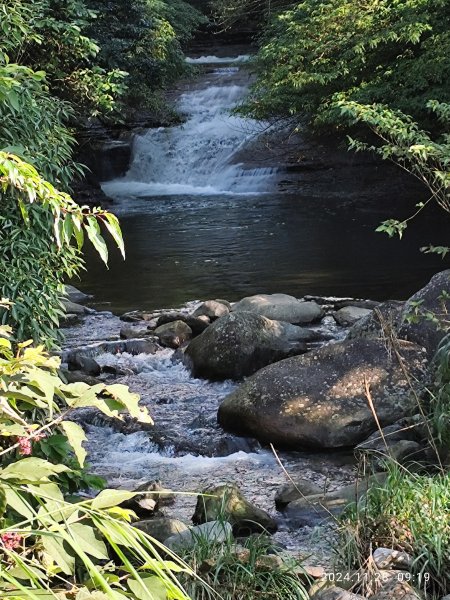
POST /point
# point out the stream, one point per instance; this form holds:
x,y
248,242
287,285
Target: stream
x,y
199,223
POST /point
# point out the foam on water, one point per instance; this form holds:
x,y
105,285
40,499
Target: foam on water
x,y
198,157
213,60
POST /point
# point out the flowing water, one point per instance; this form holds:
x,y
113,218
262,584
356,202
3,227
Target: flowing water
x,y
200,223
202,216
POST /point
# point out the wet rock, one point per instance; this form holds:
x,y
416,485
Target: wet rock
x,y
387,558
241,343
151,497
291,491
213,309
174,334
129,332
80,362
212,532
402,441
78,376
350,315
197,324
315,509
335,593
162,528
137,315
382,321
132,346
75,295
75,309
69,319
434,300
319,400
227,502
280,307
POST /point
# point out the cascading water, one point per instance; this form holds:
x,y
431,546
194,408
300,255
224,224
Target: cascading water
x,y
201,155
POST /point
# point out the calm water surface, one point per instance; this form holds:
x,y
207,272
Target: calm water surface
x,y
183,248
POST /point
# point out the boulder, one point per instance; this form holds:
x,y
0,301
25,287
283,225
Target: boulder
x,y
294,490
161,529
213,532
197,324
227,502
174,334
319,400
86,364
349,315
241,343
78,376
75,309
139,330
75,295
384,319
280,307
213,309
425,314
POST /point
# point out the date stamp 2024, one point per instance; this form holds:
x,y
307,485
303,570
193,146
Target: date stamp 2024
x,y
357,577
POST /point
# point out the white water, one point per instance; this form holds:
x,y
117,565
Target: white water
x,y
216,60
198,157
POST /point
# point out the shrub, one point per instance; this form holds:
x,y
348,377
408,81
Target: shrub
x,y
49,547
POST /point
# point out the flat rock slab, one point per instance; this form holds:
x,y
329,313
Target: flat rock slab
x,y
280,307
319,400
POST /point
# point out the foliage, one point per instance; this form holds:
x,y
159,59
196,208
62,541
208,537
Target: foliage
x,y
31,210
378,51
47,36
413,149
50,547
408,512
229,570
143,38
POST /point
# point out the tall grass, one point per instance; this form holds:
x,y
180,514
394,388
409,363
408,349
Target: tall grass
x,y
230,571
409,512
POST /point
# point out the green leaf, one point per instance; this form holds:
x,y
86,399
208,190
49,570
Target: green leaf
x,y
108,498
148,588
29,470
56,551
76,436
86,537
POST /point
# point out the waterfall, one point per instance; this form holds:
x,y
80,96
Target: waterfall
x,y
204,154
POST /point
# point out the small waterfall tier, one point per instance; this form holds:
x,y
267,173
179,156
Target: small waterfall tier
x,y
207,153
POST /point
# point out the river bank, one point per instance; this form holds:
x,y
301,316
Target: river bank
x,y
188,450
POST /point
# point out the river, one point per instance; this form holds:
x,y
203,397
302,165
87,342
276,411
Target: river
x,y
198,223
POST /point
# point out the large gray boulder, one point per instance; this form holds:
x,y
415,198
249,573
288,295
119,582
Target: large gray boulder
x,y
425,317
241,343
280,307
319,400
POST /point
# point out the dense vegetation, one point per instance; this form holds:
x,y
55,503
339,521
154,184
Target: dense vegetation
x,y
54,543
340,64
